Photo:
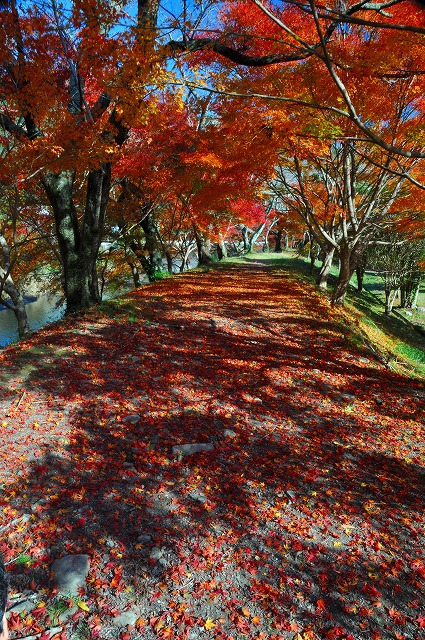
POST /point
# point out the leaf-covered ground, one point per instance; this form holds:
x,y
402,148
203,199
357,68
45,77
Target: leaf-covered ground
x,y
307,519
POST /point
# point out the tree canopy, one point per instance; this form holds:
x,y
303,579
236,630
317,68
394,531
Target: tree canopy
x,y
152,123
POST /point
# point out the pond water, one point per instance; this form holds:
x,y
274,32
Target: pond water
x,y
40,311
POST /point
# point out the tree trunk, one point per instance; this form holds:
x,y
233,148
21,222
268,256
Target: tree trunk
x,y
415,294
255,235
169,259
312,258
221,249
79,243
203,246
361,265
149,255
152,246
245,238
7,285
390,295
322,276
403,296
16,303
410,290
135,273
278,241
360,276
346,270
350,257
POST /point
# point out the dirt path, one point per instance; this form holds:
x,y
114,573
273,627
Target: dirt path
x,y
305,521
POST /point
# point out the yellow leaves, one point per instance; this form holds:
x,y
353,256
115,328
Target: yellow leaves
x,y
209,624
348,527
79,495
56,150
371,507
83,605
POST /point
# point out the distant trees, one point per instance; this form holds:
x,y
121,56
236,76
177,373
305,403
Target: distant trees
x,y
344,198
400,262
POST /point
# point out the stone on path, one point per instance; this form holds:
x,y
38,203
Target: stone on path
x,y
70,572
22,606
126,618
196,447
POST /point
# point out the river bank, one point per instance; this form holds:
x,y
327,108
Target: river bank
x,y
41,310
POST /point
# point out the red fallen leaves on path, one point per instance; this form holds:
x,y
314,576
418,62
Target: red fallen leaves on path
x,y
317,498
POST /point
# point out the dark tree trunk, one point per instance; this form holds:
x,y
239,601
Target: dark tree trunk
x,y
135,273
245,238
203,246
403,296
79,243
409,290
278,241
361,267
152,246
149,255
346,270
350,257
169,259
360,277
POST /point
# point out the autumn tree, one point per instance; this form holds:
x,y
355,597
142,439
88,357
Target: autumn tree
x,y
71,88
176,177
337,59
74,84
345,198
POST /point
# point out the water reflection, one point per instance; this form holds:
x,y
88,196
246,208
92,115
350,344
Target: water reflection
x,y
40,311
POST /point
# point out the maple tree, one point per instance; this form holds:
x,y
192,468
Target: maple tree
x,y
81,66
345,197
176,177
337,60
